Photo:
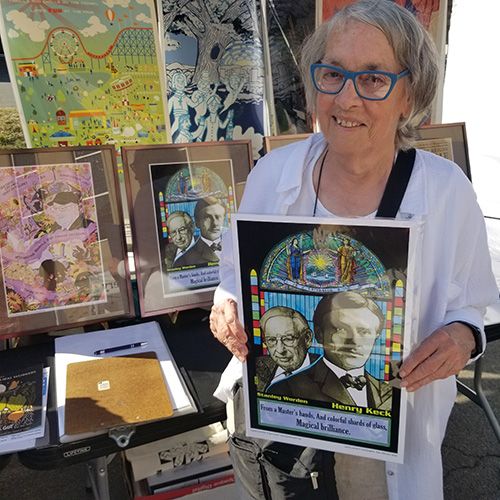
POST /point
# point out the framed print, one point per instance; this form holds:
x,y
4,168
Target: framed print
x,y
214,62
328,309
85,72
276,141
61,240
287,25
181,197
447,140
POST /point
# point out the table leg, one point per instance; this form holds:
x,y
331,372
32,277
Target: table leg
x,y
97,470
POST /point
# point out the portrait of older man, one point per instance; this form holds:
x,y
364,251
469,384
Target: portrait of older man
x,y
288,337
209,215
347,324
180,229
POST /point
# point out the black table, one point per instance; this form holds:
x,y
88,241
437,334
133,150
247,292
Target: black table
x,y
198,355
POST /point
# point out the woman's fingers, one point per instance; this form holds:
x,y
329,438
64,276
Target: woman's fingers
x,y
234,324
439,356
227,328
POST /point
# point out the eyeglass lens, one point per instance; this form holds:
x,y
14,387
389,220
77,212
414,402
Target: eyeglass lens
x,y
287,340
181,231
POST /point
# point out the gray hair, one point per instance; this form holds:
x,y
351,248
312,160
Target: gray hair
x,y
299,321
188,221
413,49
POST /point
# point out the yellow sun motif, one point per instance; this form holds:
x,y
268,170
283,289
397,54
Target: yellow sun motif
x,y
320,261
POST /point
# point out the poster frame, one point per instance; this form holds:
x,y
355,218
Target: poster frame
x,y
111,237
156,294
254,396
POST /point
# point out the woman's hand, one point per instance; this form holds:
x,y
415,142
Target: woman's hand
x,y
227,328
442,354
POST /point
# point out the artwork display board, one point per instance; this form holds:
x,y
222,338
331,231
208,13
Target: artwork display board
x,y
448,140
214,69
288,25
85,72
329,309
61,239
181,198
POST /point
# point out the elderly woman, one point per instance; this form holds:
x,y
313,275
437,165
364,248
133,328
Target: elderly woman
x,y
370,75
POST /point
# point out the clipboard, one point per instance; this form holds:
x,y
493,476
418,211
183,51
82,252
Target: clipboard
x,y
114,391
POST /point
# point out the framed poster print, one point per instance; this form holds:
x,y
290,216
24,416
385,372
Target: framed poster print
x,y
181,197
214,62
448,140
328,309
61,239
85,72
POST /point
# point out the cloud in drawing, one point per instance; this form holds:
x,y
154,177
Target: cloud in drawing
x,y
143,18
34,29
12,33
95,27
171,44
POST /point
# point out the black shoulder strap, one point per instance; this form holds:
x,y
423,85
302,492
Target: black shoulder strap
x,y
396,184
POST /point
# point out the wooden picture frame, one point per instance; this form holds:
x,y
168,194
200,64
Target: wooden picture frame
x,y
276,141
180,199
448,140
61,240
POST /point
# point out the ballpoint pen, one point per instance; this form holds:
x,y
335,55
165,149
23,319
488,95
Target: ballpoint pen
x,y
120,348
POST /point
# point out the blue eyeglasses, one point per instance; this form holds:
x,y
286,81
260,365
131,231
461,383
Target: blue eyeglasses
x,y
371,85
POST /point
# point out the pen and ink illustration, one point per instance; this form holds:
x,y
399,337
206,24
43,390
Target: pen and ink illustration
x,y
20,400
325,307
49,238
193,204
85,72
215,71
289,23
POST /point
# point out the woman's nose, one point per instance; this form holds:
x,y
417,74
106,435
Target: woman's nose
x,y
348,96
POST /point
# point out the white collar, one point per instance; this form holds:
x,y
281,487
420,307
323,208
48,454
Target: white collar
x,y
210,242
340,372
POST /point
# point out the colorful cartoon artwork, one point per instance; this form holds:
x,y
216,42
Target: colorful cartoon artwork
x,y
85,72
288,25
49,238
328,311
193,202
215,71
20,400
